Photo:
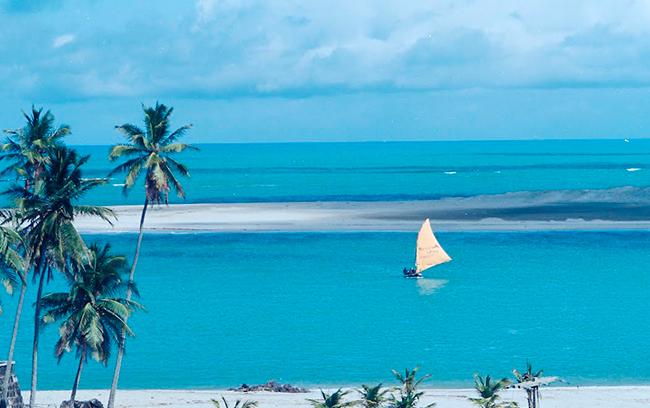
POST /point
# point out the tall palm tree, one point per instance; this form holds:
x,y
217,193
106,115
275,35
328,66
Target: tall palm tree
x,y
333,400
45,216
13,272
408,394
92,312
149,151
372,397
488,392
28,148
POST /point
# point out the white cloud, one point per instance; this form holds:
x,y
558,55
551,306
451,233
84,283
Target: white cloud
x,y
416,65
256,47
62,40
205,10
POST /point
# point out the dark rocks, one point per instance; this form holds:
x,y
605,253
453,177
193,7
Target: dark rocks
x,y
93,403
270,386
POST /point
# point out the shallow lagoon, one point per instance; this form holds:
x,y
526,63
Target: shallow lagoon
x,y
332,308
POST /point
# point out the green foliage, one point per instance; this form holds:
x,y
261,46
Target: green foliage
x,y
488,391
28,149
39,235
151,150
334,400
11,248
373,397
12,264
408,395
92,313
45,213
238,403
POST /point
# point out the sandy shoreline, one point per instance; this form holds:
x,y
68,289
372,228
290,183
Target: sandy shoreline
x,y
340,216
560,397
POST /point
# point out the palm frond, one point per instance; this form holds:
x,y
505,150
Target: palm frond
x,y
175,135
121,150
179,167
104,213
172,180
92,317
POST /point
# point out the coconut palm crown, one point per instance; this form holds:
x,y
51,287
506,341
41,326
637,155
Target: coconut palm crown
x,y
45,215
333,400
408,394
150,150
237,404
372,397
488,391
27,148
92,312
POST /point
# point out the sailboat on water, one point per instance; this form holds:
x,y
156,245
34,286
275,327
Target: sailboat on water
x,y
428,252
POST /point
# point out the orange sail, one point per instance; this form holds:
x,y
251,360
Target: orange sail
x,y
428,251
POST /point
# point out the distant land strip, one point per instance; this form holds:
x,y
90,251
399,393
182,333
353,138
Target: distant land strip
x,y
481,213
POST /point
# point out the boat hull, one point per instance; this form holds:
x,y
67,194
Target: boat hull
x,y
411,274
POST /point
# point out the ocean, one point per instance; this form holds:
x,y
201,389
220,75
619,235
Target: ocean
x,y
333,309
391,171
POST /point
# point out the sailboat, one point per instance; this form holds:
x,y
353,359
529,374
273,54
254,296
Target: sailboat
x,y
428,252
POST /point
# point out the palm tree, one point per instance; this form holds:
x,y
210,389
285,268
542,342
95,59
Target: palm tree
x,y
409,395
238,403
92,313
488,392
13,270
149,150
532,393
28,148
334,400
372,397
45,217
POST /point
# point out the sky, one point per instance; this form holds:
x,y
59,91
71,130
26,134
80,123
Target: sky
x,y
335,70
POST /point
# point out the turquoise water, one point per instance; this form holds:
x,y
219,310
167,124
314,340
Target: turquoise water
x,y
393,171
328,308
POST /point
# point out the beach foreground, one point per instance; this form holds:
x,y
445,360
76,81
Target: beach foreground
x,y
561,397
446,215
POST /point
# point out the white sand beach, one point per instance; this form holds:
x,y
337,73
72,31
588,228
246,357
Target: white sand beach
x,y
564,397
336,216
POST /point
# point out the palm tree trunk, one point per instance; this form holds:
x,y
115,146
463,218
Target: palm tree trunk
x,y
120,351
37,326
73,394
12,344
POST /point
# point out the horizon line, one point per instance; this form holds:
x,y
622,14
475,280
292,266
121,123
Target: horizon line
x,y
257,142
